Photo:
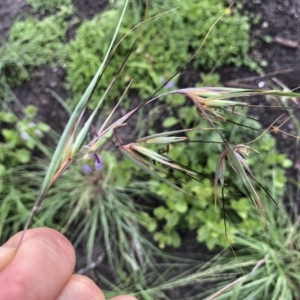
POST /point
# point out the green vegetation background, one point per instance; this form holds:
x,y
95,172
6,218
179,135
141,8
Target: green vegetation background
x,y
106,203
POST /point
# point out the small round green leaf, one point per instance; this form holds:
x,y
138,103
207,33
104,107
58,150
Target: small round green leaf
x,y
22,156
170,122
181,206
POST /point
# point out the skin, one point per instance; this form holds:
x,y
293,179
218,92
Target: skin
x,y
42,268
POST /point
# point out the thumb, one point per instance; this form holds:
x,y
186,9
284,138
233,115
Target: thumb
x,y
6,256
124,297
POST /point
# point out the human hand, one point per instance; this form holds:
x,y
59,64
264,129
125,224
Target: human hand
x,y
42,269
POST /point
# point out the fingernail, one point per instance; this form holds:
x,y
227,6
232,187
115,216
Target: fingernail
x,y
6,256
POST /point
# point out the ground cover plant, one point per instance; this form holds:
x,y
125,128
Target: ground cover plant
x,y
44,40
31,43
93,164
18,139
267,262
156,56
204,216
50,6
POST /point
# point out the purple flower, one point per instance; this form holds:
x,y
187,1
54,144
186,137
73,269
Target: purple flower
x,y
24,136
98,165
170,84
86,169
31,124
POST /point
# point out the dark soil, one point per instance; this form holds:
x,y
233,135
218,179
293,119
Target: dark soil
x,y
9,11
280,20
88,8
39,92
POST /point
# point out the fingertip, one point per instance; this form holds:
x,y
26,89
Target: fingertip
x,y
80,287
6,256
54,239
45,258
36,233
124,297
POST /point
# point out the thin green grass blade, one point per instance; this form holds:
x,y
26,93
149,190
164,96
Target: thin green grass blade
x,y
159,158
164,140
220,103
69,130
220,174
244,178
207,90
84,131
78,110
144,165
248,93
165,134
99,141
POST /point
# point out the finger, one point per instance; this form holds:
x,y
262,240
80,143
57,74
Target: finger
x,y
124,297
6,256
40,268
80,287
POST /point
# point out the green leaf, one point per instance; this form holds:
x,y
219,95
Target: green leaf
x,y
161,212
151,225
148,222
7,117
187,114
177,100
161,239
170,202
2,169
172,219
181,206
22,156
31,143
170,122
31,111
175,237
211,243
10,136
43,127
287,163
202,234
241,207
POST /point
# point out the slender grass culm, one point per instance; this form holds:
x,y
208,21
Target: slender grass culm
x,y
71,142
212,105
